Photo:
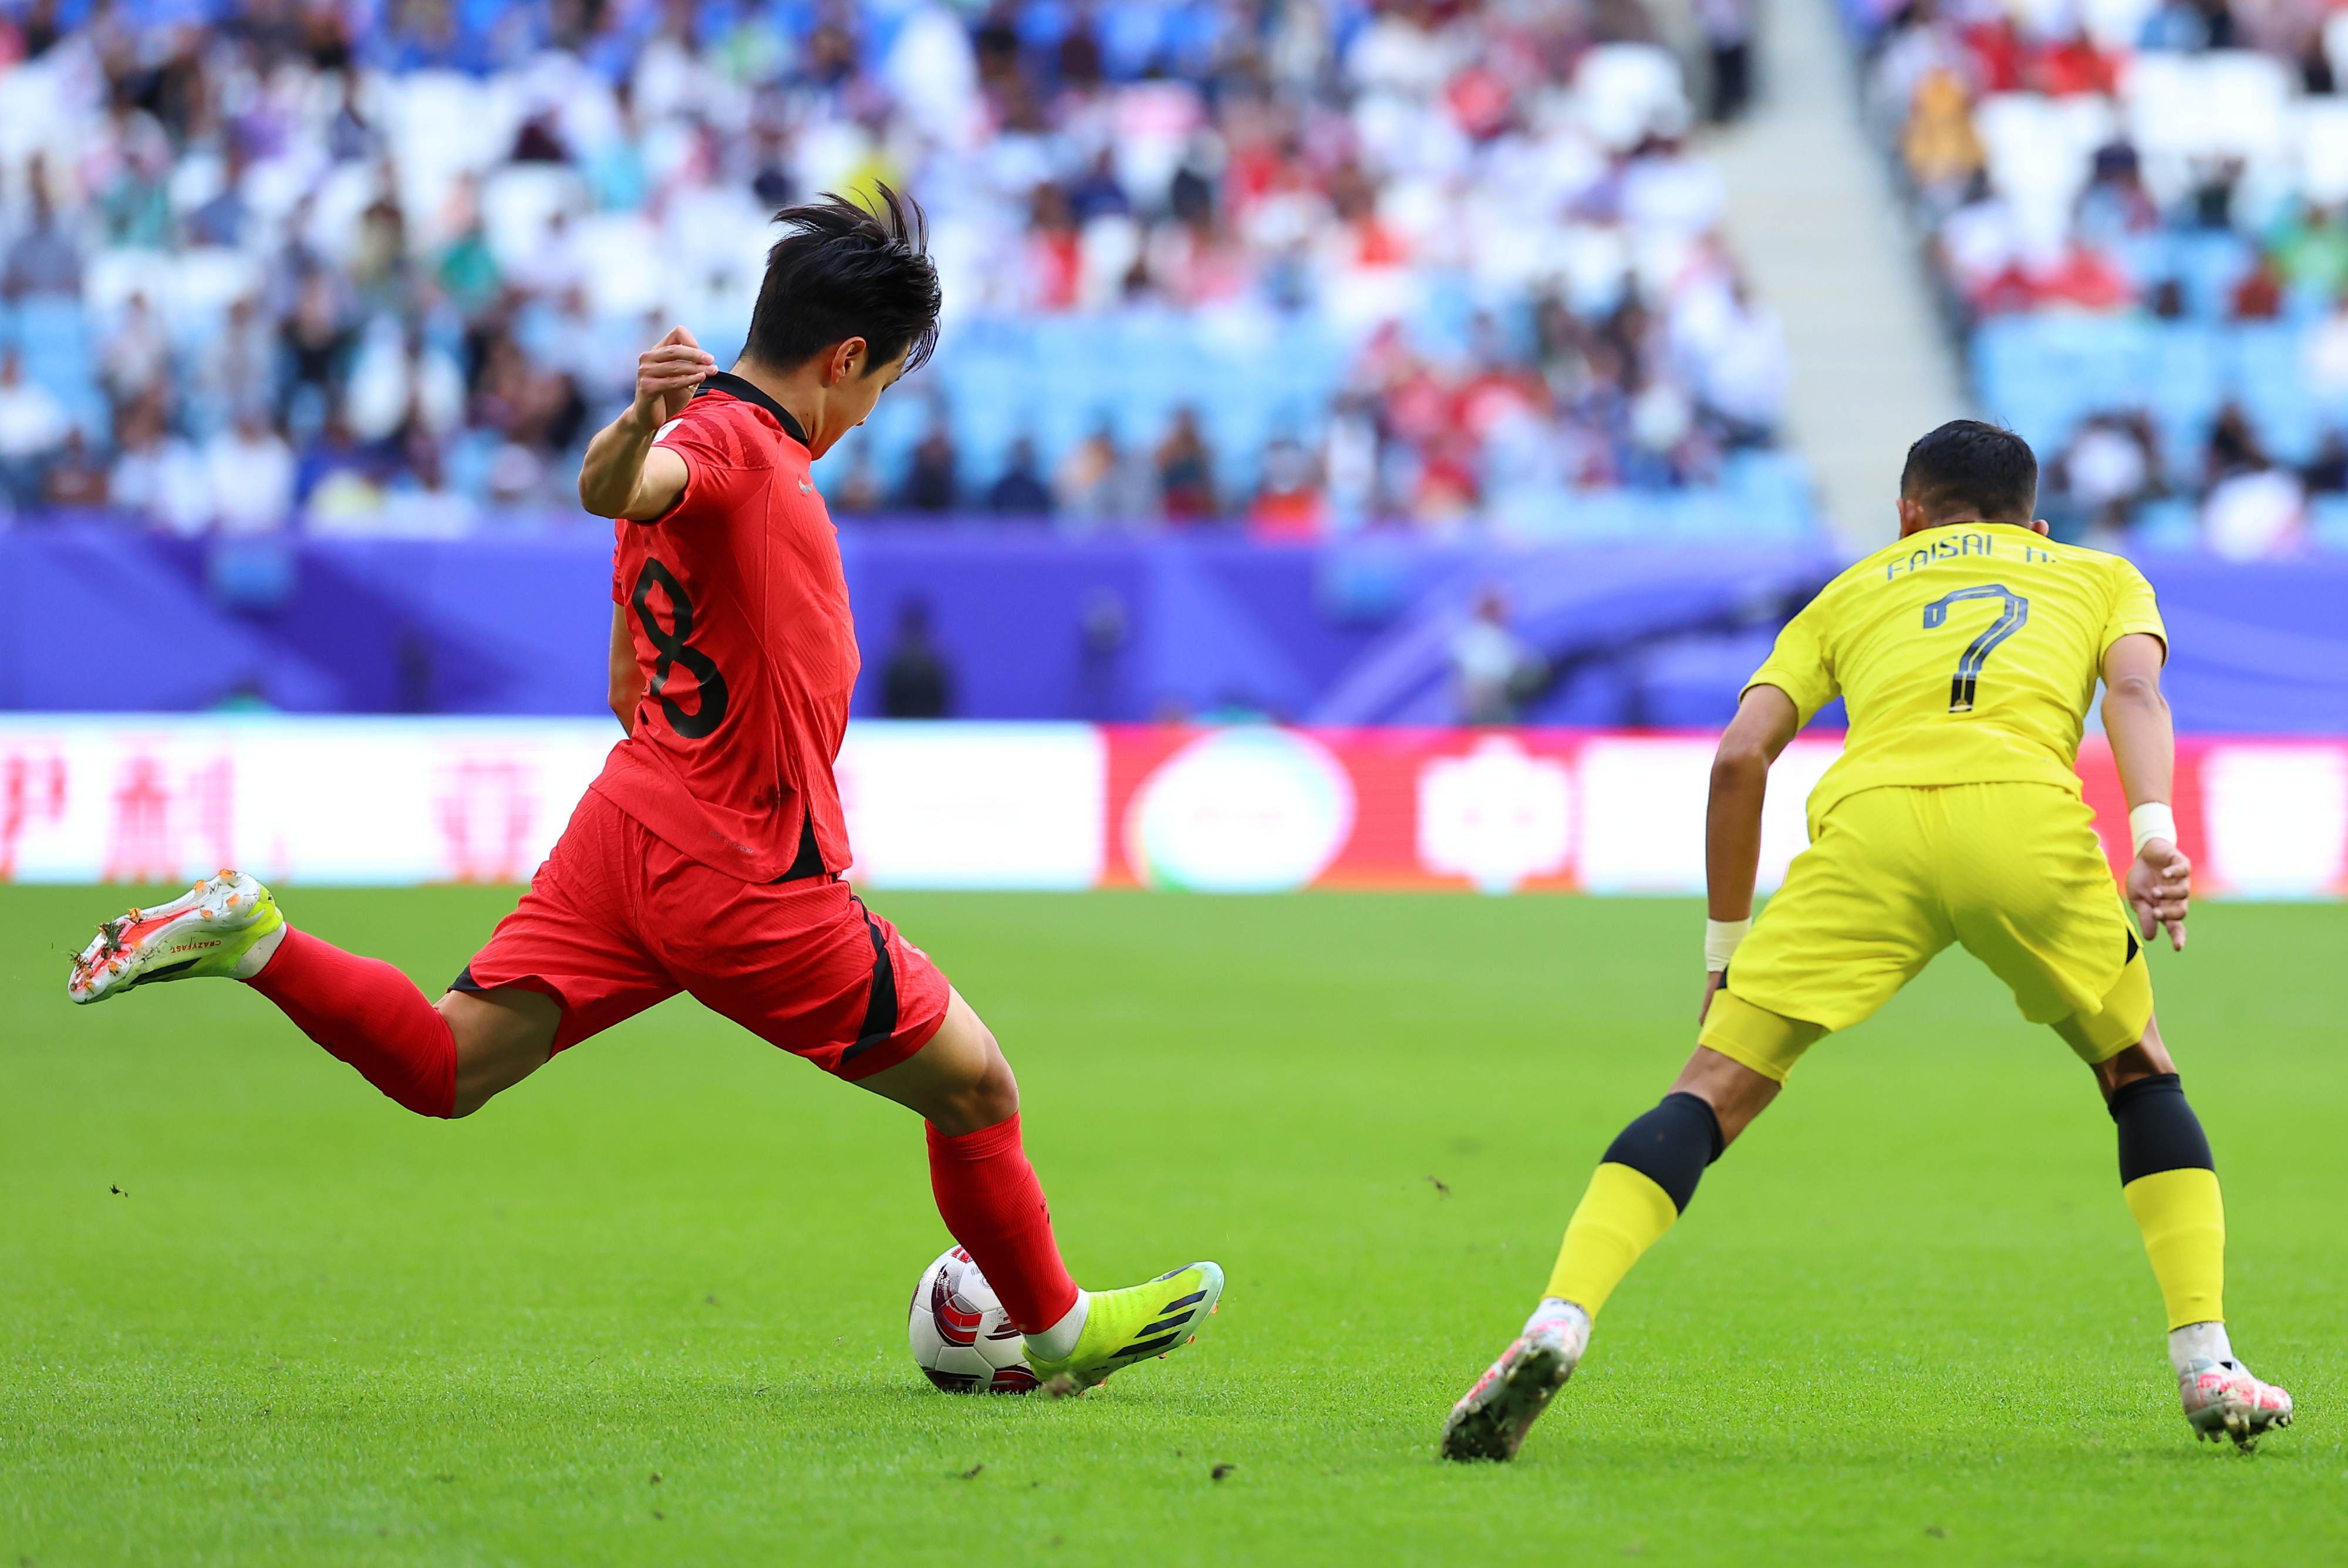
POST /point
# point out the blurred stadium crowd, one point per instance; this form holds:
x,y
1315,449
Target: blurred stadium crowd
x,y
2139,209
1296,265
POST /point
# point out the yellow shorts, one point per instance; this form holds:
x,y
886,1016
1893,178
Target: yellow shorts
x,y
2014,872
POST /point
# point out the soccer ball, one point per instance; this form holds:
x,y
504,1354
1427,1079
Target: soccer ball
x,y
960,1334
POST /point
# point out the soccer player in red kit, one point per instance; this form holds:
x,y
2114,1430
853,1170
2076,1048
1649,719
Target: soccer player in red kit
x,y
706,855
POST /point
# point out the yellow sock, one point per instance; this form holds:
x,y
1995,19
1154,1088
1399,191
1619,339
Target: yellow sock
x,y
1620,1216
2184,1224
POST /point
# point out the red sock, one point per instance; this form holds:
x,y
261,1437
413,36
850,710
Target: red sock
x,y
988,1197
368,1014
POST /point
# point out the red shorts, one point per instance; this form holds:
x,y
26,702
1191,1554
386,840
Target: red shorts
x,y
616,920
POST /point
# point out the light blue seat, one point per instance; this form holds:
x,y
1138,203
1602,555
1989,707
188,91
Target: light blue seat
x,y
2210,264
2269,379
2328,522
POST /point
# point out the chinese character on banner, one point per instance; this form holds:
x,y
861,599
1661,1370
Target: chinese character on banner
x,y
485,816
31,793
1496,816
211,808
139,848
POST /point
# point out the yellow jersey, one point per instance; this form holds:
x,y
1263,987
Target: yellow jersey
x,y
1966,654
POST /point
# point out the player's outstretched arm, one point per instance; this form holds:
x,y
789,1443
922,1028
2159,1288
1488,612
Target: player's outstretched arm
x,y
1766,720
2144,748
624,474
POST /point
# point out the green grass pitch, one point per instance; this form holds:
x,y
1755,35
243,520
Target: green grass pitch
x,y
648,1308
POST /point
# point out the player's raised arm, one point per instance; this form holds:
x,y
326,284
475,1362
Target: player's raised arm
x,y
2144,747
1766,720
624,474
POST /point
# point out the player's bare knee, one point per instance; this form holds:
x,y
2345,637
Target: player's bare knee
x,y
994,1097
2146,1058
983,1091
959,1080
501,1038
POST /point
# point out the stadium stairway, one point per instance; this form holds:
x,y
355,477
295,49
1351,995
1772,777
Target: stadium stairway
x,y
1813,213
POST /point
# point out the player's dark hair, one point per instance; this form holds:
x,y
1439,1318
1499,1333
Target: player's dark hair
x,y
1969,466
842,270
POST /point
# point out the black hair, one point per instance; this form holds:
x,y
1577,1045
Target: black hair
x,y
842,270
1967,465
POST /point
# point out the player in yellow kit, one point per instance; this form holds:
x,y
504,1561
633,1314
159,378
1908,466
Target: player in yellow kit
x,y
1967,655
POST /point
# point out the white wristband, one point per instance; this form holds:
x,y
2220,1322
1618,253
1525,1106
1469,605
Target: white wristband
x,y
1720,940
2151,821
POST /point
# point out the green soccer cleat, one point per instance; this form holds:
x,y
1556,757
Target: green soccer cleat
x,y
205,931
1123,1326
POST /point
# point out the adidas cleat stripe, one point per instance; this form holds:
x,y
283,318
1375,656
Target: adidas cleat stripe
x,y
1149,1347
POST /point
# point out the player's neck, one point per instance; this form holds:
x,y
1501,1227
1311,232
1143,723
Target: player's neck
x,y
799,391
1911,532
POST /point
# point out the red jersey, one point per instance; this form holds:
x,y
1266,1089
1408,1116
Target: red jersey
x,y
739,610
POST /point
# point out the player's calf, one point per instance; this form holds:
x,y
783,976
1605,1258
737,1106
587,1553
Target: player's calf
x,y
1637,1193
2171,1183
362,1010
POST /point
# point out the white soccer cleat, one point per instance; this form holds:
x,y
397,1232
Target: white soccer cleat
x,y
2223,1400
207,931
1491,1419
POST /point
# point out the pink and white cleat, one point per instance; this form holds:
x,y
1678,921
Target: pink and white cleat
x,y
209,931
1491,1419
2223,1400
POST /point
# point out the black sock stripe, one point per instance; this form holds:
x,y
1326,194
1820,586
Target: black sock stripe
x,y
2157,1128
1671,1145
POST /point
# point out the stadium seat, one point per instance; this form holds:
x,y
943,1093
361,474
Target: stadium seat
x,y
2040,152
2266,378
1627,92
2321,134
2327,523
518,200
2182,110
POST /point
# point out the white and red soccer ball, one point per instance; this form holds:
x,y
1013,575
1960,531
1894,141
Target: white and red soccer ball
x,y
961,1336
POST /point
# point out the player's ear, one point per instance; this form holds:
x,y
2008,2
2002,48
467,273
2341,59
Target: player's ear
x,y
1912,515
848,360
2038,526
